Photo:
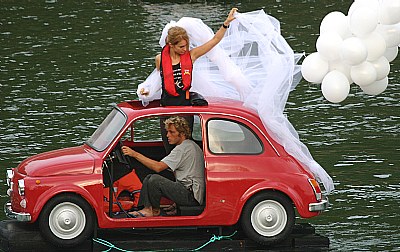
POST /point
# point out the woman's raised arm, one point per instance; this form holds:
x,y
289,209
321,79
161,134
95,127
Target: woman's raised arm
x,y
199,51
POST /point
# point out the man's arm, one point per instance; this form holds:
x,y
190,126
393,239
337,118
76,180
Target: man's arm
x,y
148,162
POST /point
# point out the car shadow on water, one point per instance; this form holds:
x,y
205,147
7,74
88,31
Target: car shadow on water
x,y
16,236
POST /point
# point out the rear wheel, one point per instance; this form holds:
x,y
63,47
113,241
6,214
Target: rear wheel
x,y
268,218
67,221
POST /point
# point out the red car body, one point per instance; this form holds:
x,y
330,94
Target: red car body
x,y
232,179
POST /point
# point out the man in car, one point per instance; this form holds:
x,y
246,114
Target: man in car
x,y
186,161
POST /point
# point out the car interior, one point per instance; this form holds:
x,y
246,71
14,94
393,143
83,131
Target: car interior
x,y
143,136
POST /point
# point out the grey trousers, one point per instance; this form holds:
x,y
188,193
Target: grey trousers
x,y
155,186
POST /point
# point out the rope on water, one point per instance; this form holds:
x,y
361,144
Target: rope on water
x,y
212,239
215,238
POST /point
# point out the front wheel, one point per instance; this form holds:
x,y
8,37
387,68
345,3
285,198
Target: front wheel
x,y
268,218
67,221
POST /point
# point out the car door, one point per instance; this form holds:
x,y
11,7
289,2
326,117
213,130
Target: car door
x,y
237,157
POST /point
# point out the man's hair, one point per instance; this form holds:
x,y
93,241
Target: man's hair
x,y
180,123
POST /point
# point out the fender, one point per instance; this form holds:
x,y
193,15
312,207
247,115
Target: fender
x,y
68,188
294,195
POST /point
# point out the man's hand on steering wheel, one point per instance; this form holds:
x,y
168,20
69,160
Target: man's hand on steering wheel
x,y
119,153
128,151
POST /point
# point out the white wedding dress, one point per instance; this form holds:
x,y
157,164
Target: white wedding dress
x,y
253,63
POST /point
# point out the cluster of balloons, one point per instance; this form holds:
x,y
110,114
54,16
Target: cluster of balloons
x,y
356,48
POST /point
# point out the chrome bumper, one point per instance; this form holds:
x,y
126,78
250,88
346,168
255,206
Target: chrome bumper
x,y
320,206
14,215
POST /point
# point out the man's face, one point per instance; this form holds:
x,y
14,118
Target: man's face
x,y
174,137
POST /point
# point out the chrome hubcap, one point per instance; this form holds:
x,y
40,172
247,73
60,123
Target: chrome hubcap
x,y
269,218
67,220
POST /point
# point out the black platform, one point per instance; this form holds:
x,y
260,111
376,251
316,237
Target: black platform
x,y
15,236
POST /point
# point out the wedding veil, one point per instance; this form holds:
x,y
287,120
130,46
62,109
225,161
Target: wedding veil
x,y
253,63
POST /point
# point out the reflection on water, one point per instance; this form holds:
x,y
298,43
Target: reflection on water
x,y
64,63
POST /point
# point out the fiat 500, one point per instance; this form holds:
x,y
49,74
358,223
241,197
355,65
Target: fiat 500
x,y
251,181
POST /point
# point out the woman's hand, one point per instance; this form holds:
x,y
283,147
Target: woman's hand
x,y
230,17
144,92
199,51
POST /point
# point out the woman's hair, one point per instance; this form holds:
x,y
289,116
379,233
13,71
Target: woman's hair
x,y
180,123
176,34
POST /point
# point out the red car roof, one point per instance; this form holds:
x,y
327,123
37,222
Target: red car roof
x,y
216,105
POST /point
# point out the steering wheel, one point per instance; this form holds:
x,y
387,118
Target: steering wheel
x,y
118,153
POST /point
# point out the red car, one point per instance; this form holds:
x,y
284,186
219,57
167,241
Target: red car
x,y
251,181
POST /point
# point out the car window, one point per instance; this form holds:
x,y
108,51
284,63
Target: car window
x,y
107,130
225,136
196,133
148,129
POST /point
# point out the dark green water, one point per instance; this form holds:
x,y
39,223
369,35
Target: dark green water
x,y
63,63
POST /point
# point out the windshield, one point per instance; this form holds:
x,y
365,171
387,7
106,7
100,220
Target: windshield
x,y
107,130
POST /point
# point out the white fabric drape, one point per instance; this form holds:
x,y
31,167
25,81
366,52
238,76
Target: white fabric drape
x,y
253,63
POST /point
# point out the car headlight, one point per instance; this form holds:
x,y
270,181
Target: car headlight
x,y
9,176
21,187
22,203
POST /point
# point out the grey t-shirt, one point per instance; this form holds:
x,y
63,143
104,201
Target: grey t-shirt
x,y
187,162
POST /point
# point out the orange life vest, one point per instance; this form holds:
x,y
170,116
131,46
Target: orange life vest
x,y
168,76
130,183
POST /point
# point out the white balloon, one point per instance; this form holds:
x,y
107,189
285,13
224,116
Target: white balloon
x,y
391,34
377,87
376,45
363,21
391,53
341,67
389,12
337,22
363,74
329,45
353,51
372,4
335,86
314,68
382,67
